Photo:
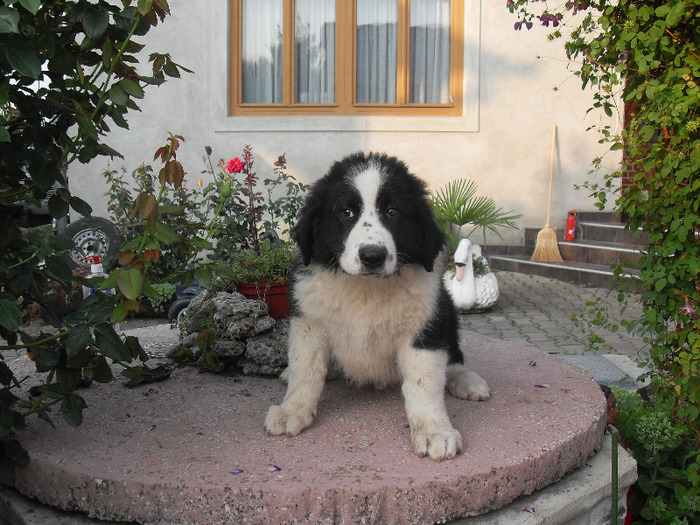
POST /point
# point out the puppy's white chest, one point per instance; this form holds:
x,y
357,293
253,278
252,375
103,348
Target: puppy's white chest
x,y
366,320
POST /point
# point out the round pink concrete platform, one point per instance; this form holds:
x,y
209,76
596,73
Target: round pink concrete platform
x,y
193,450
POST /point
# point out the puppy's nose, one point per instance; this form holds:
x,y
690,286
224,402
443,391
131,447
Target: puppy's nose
x,y
372,257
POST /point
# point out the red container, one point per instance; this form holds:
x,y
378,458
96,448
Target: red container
x,y
570,227
273,294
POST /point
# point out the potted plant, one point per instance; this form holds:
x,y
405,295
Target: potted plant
x,y
264,275
260,262
469,280
456,206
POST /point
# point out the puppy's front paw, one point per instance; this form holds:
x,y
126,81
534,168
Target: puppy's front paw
x,y
439,445
466,384
278,421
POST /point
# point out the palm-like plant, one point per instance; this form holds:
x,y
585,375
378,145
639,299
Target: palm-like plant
x,y
456,203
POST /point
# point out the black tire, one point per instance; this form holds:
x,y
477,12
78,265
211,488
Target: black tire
x,y
177,308
92,236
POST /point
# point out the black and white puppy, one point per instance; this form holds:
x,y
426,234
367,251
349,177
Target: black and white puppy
x,y
368,292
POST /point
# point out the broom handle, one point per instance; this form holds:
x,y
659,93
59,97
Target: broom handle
x,y
551,174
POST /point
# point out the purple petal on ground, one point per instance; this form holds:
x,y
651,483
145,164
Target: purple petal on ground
x,y
245,392
532,363
543,385
531,510
274,468
237,471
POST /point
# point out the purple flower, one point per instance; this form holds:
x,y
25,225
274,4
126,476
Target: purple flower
x,y
688,310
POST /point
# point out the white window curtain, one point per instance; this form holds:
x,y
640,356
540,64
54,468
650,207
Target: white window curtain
x,y
314,53
377,23
261,50
429,81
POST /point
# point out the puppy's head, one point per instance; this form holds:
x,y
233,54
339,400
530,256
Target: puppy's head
x,y
368,216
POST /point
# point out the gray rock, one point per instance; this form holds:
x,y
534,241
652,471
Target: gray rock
x,y
251,368
270,348
186,342
236,317
198,315
228,349
246,338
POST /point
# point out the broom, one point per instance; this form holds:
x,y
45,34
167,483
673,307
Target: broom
x,y
546,248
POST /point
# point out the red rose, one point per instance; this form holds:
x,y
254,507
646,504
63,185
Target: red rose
x,y
234,165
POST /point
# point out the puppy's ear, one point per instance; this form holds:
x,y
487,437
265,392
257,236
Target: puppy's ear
x,y
434,242
433,238
303,232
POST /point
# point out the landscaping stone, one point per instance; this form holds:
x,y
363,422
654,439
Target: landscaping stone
x,y
236,317
246,338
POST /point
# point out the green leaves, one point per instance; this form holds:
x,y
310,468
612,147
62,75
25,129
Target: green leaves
x,y
130,283
648,52
24,60
9,20
458,204
31,5
95,21
110,344
88,64
10,314
72,407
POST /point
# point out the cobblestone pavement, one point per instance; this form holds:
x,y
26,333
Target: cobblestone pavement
x,y
538,311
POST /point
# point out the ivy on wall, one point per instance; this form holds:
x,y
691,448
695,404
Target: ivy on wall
x,y
645,53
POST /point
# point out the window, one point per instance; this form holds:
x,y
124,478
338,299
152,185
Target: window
x,y
342,57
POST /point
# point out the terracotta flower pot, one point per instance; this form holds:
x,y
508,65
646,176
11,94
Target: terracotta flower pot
x,y
273,294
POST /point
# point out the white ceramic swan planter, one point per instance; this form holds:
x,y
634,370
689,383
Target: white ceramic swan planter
x,y
467,291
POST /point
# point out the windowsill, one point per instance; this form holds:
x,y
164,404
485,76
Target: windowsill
x,y
349,123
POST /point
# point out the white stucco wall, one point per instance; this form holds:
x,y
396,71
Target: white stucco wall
x,y
502,141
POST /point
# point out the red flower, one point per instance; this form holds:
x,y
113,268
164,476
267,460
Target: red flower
x,y
234,165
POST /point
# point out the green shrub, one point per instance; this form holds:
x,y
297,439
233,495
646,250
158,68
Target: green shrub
x,y
645,53
68,72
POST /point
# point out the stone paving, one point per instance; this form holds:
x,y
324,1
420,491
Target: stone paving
x,y
538,311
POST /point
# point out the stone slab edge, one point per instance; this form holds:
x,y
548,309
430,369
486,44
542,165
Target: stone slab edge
x,y
584,492
584,496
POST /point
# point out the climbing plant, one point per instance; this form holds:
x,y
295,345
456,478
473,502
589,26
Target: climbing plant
x,y
640,58
68,73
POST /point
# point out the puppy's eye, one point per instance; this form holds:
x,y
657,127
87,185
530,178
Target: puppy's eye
x,y
347,213
392,212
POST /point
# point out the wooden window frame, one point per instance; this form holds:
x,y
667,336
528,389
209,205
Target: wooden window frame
x,y
345,61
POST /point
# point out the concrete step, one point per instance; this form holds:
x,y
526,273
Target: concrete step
x,y
610,232
572,271
602,240
599,252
